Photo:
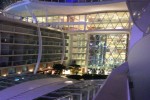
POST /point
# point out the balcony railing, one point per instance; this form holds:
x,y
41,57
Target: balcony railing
x,y
117,84
74,1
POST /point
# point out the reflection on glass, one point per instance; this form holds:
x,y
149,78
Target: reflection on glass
x,y
79,47
95,21
140,14
107,50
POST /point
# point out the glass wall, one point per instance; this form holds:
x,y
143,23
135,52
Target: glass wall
x,y
107,50
104,49
108,20
79,48
94,21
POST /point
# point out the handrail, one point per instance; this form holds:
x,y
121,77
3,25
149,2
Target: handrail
x,y
74,1
116,86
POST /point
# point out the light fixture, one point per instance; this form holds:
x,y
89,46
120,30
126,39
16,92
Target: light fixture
x,y
30,70
16,79
18,72
68,82
134,13
119,27
48,67
40,68
4,75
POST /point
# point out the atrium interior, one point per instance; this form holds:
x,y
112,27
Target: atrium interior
x,y
100,37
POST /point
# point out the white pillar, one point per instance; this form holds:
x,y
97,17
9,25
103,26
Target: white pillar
x,y
39,37
63,48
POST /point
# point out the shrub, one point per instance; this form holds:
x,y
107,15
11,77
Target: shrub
x,y
87,76
58,68
93,76
77,77
96,76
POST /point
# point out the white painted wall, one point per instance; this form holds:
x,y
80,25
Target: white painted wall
x,y
135,36
139,68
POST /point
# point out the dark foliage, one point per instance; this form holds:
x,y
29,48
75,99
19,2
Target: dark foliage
x,y
75,68
58,68
77,77
93,76
87,76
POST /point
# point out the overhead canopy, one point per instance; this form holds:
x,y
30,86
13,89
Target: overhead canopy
x,y
49,8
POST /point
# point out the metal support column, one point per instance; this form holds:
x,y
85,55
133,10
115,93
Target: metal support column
x,y
39,37
63,48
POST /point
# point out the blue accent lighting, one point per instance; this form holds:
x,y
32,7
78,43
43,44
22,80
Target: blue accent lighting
x,y
16,79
